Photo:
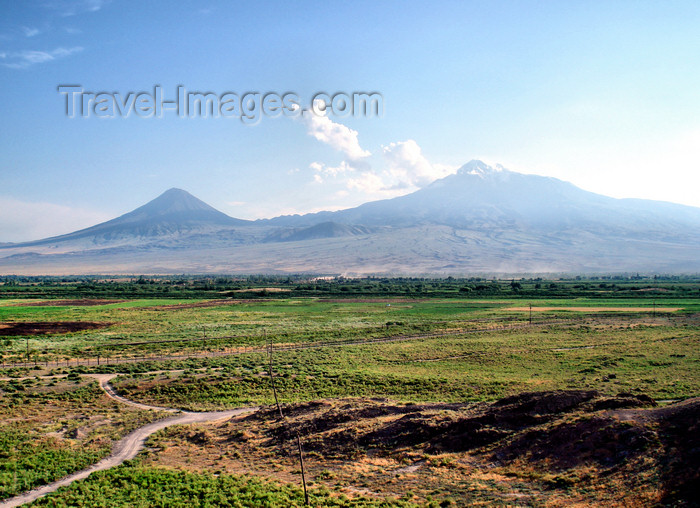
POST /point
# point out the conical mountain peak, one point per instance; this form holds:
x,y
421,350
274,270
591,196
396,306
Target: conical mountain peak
x,y
175,201
174,212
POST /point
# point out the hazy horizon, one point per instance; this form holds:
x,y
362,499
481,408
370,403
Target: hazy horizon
x,y
496,168
601,95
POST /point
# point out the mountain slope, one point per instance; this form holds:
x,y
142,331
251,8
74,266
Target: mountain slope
x,y
175,212
479,220
317,231
482,197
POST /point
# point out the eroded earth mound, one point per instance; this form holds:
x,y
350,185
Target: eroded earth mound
x,y
541,448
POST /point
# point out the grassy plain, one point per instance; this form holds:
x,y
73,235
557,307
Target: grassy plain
x,y
150,327
610,355
408,348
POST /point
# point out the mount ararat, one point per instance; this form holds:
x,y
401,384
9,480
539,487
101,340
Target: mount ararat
x,y
480,220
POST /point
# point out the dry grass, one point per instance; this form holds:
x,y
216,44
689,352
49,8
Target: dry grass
x,y
595,309
470,454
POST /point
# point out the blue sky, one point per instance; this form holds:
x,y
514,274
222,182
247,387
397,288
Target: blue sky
x,y
603,94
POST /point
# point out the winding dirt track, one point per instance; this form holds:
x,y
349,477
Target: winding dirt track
x,y
104,380
130,445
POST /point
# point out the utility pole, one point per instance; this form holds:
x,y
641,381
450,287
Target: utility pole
x,y
279,408
303,474
653,313
272,379
530,313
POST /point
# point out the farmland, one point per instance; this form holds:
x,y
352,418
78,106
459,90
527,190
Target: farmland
x,y
204,345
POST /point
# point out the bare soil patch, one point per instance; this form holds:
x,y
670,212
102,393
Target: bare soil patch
x,y
196,305
49,327
261,290
373,300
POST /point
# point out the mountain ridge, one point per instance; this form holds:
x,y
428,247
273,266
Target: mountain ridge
x,y
170,212
480,219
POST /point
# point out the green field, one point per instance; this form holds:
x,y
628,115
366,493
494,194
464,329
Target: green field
x,y
171,327
661,361
202,353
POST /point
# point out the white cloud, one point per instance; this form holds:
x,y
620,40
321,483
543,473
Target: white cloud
x,y
27,58
22,221
64,52
30,31
94,5
367,182
336,135
408,166
343,167
68,8
406,169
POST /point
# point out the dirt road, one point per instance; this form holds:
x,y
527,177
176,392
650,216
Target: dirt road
x,y
130,445
104,380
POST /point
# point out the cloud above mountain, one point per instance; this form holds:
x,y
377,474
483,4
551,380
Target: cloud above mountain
x,y
401,169
336,135
408,166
